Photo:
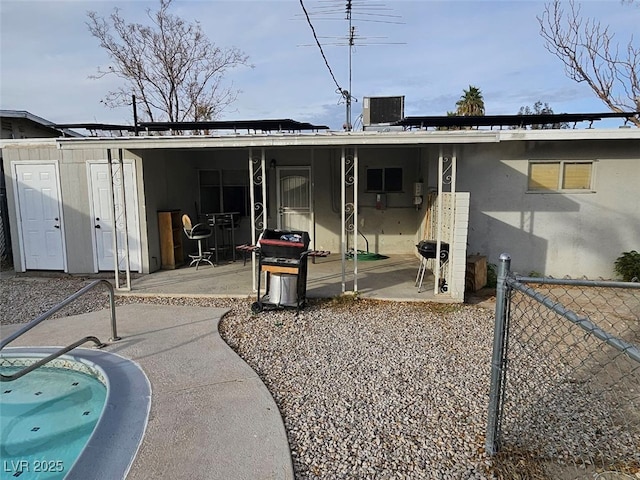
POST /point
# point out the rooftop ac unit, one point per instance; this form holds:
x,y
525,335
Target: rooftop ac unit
x,y
382,110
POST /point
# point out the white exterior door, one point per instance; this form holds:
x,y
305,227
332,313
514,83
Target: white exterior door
x,y
294,198
102,217
39,214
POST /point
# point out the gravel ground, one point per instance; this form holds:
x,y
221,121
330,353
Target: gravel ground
x,y
366,389
375,390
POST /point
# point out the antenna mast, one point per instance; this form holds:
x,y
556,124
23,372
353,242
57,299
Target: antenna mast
x,y
347,94
377,13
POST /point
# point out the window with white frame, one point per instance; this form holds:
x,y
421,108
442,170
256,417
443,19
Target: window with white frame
x,y
560,176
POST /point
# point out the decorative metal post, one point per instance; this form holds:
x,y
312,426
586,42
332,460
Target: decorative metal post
x,y
125,220
446,177
257,177
114,233
349,214
354,223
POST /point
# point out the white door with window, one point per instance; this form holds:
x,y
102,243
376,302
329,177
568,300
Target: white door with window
x,y
40,216
294,198
102,217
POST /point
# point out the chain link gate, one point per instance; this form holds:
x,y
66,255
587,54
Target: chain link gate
x,y
565,383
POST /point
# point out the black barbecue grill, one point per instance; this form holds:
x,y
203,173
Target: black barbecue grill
x,y
428,249
283,254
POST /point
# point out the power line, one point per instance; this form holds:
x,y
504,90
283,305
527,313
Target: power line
x,y
321,50
376,12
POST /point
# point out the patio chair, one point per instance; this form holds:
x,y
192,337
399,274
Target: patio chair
x,y
198,232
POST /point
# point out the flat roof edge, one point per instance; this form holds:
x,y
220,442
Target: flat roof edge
x,y
565,134
29,142
328,139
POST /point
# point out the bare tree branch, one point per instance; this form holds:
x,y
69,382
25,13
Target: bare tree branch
x,y
590,55
173,69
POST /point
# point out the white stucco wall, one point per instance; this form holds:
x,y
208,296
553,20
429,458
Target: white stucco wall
x,y
554,234
171,179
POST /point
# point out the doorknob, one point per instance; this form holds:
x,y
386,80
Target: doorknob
x,y
57,226
98,226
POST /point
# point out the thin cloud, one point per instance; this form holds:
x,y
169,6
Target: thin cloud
x,y
444,47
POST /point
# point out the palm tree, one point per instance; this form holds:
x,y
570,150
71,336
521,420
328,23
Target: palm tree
x,y
471,103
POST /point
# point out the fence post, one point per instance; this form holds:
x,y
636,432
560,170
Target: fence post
x,y
497,365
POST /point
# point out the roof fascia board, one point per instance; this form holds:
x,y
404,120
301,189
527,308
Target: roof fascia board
x,y
319,140
564,134
339,139
29,142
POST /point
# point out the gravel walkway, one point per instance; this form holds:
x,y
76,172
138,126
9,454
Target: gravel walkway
x,y
366,389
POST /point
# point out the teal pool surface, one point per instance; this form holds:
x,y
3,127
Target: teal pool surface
x,y
46,419
80,417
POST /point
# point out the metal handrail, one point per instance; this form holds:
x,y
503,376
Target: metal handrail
x,y
47,314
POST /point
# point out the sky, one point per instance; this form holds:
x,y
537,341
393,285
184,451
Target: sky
x,y
434,51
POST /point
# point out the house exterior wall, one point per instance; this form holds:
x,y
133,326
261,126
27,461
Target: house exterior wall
x,y
170,183
74,193
393,229
171,179
554,234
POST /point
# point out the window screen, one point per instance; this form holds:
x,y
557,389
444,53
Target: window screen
x,y
224,191
392,179
560,176
544,176
577,176
384,179
374,180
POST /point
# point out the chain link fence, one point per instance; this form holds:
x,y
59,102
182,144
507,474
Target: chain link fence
x,y
5,238
565,392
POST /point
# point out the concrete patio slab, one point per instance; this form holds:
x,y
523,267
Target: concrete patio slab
x,y
391,278
211,416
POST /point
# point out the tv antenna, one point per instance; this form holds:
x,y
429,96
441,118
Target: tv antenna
x,y
364,11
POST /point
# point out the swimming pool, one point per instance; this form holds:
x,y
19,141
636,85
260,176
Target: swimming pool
x,y
85,418
47,416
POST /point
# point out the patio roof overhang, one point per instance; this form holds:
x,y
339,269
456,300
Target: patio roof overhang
x,y
340,139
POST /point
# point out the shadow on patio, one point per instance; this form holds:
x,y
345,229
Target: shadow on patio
x,y
392,278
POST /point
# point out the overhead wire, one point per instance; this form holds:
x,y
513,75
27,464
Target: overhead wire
x,y
315,36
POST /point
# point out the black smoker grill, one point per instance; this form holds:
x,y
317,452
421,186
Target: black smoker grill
x,y
283,254
427,248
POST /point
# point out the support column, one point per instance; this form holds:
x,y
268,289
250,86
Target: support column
x,y
125,220
349,213
436,262
447,165
257,177
116,178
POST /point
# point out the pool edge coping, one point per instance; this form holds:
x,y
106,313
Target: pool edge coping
x,y
127,387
